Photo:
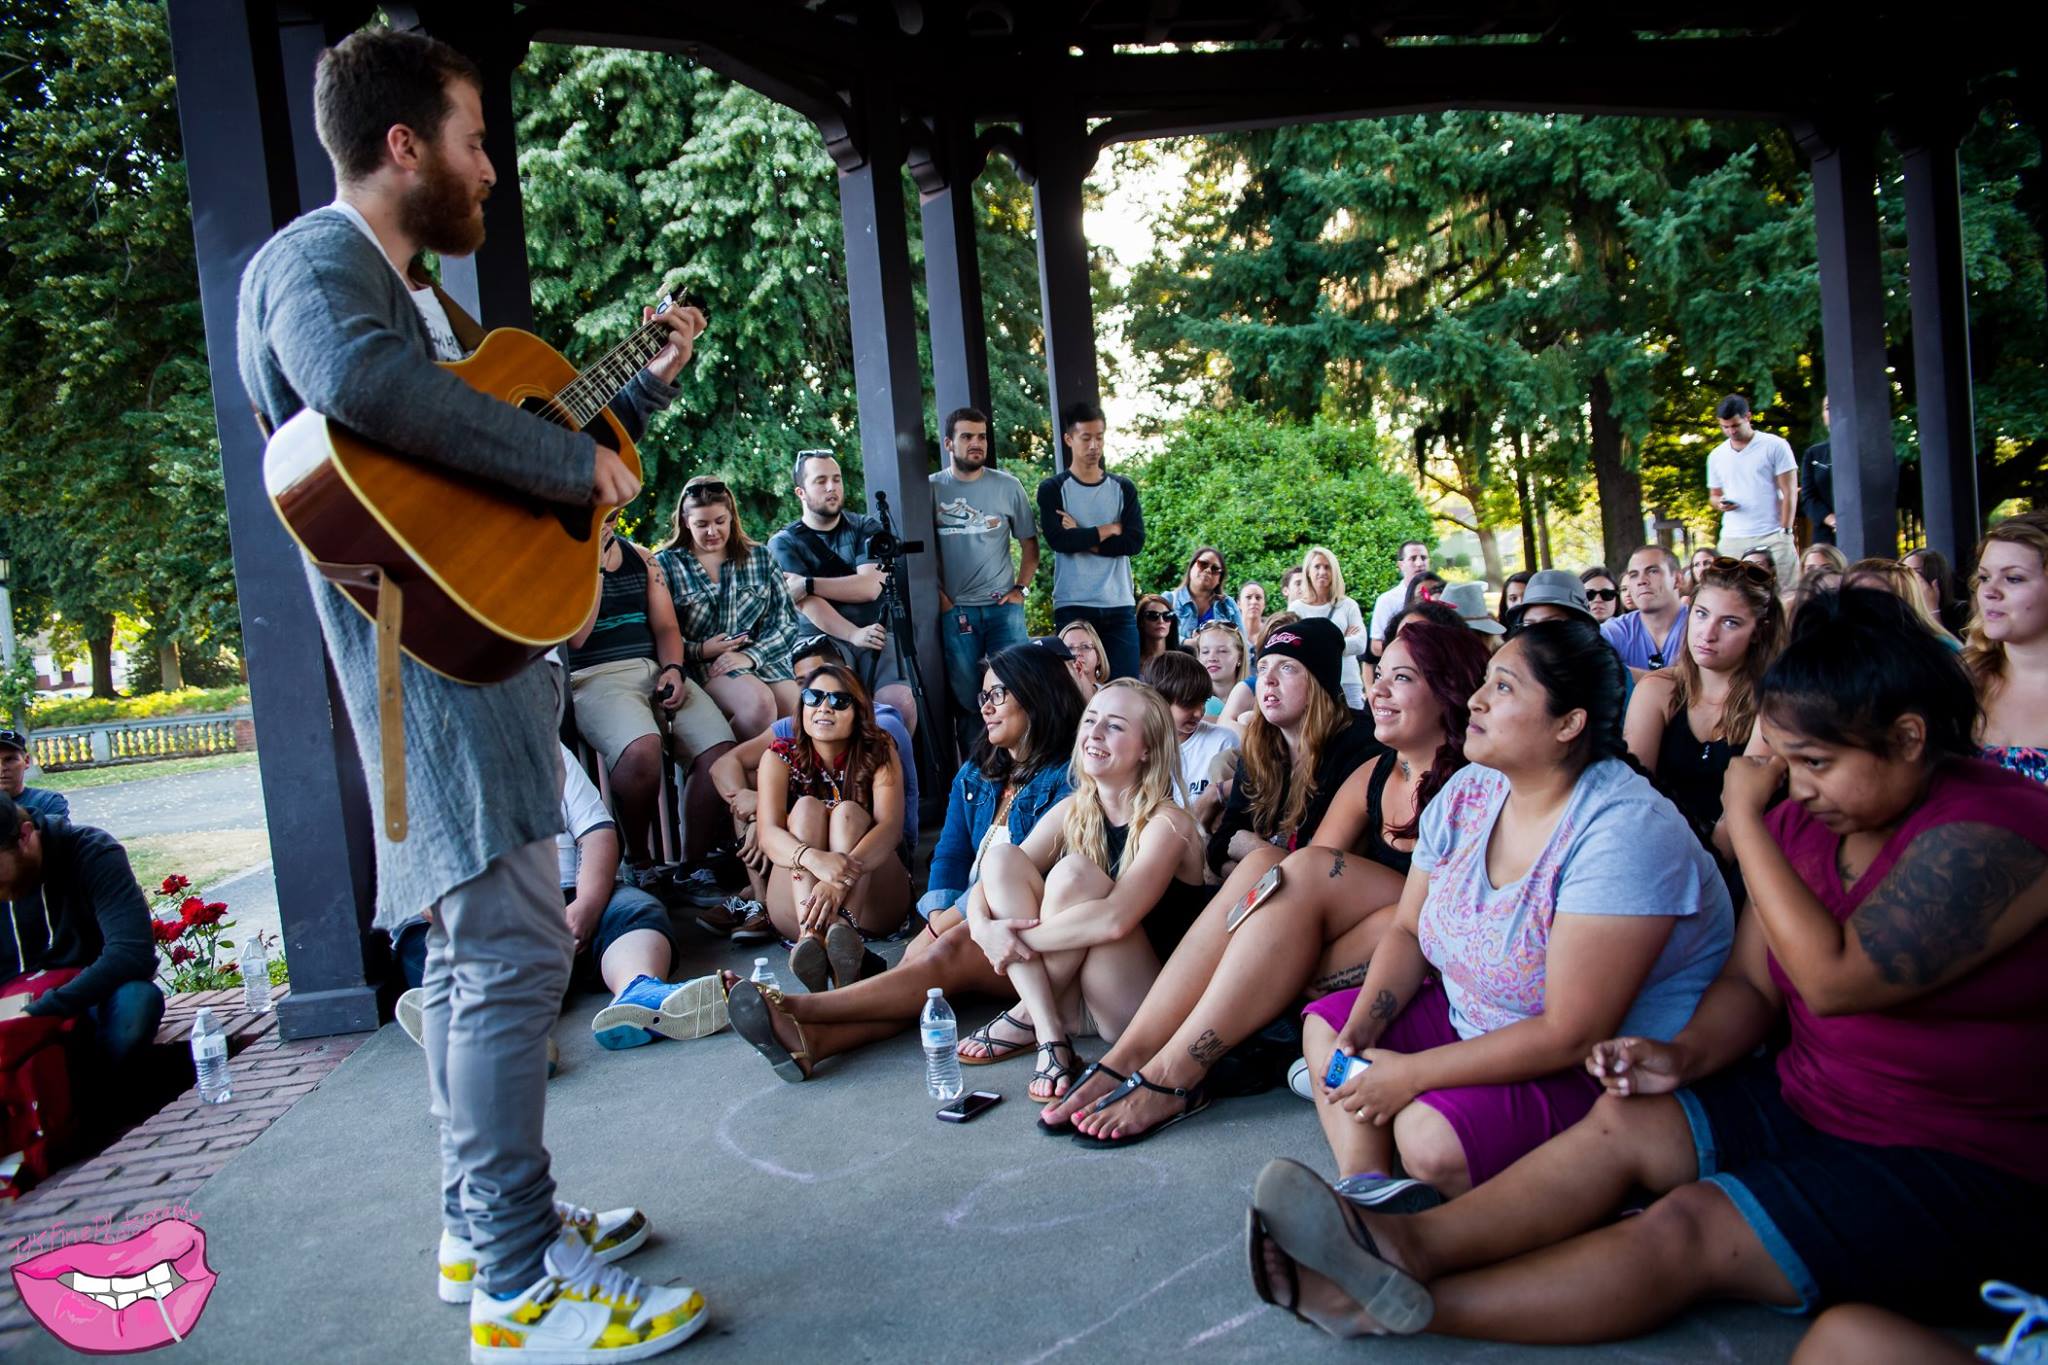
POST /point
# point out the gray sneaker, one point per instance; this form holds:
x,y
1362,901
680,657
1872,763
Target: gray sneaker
x,y
754,925
1387,1193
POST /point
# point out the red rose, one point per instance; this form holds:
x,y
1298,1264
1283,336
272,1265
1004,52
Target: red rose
x,y
180,955
166,930
210,914
189,911
173,884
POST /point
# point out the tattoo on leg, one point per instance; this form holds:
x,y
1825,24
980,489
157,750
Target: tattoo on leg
x,y
1343,980
1337,866
1937,905
1384,1005
1207,1048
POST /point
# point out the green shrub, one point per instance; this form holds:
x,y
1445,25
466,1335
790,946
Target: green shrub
x,y
188,701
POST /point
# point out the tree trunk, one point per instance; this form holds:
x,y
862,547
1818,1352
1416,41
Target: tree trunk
x,y
1526,503
171,672
1542,524
101,643
1621,487
1489,552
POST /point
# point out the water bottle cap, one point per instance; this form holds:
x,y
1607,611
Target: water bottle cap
x,y
934,993
203,1019
760,962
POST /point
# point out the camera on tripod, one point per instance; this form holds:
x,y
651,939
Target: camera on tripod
x,y
885,545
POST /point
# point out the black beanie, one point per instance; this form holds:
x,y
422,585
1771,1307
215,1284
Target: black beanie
x,y
1318,646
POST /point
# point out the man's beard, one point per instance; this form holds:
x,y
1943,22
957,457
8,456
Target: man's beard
x,y
440,213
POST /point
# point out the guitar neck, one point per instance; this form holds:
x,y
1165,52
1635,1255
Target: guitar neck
x,y
587,394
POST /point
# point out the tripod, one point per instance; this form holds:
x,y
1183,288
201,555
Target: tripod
x,y
887,550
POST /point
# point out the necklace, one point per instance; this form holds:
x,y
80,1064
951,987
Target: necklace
x,y
1407,770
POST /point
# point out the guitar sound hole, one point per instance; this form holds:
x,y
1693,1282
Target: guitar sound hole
x,y
576,521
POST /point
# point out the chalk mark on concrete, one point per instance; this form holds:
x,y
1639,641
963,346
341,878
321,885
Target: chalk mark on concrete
x,y
732,1146
1127,1305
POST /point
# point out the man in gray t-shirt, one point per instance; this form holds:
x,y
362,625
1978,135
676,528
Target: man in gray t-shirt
x,y
1092,519
976,512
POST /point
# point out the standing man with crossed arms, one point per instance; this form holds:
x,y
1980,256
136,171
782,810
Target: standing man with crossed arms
x,y
335,316
1093,521
1752,479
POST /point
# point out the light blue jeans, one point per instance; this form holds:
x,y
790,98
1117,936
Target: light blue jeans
x,y
971,634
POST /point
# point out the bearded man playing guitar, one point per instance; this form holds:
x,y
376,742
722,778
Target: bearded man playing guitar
x,y
333,318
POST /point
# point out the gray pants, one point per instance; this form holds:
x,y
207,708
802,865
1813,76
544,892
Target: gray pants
x,y
498,958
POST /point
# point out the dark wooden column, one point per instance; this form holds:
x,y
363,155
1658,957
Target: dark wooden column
x,y
1866,470
889,388
236,100
945,172
493,285
1941,331
1062,154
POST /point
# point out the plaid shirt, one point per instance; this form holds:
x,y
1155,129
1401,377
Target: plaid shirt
x,y
749,597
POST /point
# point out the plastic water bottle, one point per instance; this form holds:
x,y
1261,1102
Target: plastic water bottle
x,y
764,975
941,1032
255,976
210,1057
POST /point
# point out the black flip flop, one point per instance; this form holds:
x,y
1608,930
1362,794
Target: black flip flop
x,y
1256,1239
1067,1129
1319,1228
1193,1102
748,1007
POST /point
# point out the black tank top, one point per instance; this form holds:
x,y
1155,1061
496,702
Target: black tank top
x,y
1689,770
621,630
1376,846
1180,905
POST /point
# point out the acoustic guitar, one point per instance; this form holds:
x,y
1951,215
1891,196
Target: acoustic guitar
x,y
491,578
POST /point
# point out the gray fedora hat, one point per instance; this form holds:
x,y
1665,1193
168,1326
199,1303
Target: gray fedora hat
x,y
1553,588
1469,601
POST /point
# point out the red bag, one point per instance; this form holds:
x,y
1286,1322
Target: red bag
x,y
36,1116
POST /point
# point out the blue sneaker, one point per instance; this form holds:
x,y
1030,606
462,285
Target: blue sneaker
x,y
650,1009
1388,1194
2027,1343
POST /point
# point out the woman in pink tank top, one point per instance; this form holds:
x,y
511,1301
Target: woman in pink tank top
x,y
1890,1153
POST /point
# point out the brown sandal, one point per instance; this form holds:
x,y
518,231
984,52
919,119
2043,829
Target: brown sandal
x,y
748,1008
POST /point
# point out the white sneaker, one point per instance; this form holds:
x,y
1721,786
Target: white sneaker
x,y
608,1236
1298,1081
582,1313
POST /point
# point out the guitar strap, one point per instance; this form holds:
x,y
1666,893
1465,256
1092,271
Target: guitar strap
x,y
468,331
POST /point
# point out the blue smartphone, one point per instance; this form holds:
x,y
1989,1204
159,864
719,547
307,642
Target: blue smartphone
x,y
1342,1068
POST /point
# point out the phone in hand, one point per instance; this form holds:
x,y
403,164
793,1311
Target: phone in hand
x,y
1253,899
1343,1066
969,1106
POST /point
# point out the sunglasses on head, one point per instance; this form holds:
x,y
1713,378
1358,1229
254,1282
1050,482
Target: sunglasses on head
x,y
1154,614
1754,572
837,701
708,491
1603,594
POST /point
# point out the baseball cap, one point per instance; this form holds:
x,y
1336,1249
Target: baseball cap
x,y
1552,587
15,740
1053,645
1470,601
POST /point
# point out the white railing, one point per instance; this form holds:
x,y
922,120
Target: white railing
x,y
135,741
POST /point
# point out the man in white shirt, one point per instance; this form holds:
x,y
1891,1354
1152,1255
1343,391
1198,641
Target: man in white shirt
x,y
1414,559
1752,481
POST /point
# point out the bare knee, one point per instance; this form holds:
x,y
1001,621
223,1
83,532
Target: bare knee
x,y
1430,1149
1647,1136
809,820
1074,878
848,823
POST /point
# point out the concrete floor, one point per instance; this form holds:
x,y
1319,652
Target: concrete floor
x,y
830,1221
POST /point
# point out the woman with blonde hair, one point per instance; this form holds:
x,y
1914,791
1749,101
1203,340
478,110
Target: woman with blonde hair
x,y
1090,665
1059,914
1687,721
738,623
1322,594
2007,653
1219,649
1889,575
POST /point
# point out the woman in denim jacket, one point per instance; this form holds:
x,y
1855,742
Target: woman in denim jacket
x,y
1030,710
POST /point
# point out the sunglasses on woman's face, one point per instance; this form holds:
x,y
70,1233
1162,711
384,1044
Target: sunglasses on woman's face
x,y
1154,614
837,701
1208,566
1603,594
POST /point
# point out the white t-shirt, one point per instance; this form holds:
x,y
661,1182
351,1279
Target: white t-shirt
x,y
582,811
1198,751
1384,606
1749,478
439,329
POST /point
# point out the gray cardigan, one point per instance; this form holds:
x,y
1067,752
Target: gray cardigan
x,y
326,323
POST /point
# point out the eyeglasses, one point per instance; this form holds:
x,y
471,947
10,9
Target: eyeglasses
x,y
1603,594
995,696
710,490
1208,566
837,701
1154,614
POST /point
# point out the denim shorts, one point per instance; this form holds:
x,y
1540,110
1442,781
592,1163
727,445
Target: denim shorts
x,y
1911,1228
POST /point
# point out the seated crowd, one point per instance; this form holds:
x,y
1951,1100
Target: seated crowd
x,y
1680,891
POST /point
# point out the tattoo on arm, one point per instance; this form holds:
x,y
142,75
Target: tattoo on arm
x,y
1384,1006
1338,981
1207,1048
1937,905
1337,865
